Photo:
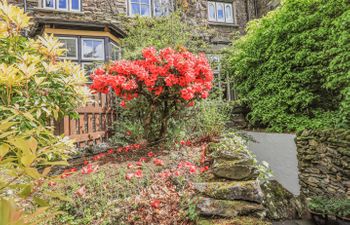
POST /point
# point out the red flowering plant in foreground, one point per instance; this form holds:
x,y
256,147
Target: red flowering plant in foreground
x,y
159,86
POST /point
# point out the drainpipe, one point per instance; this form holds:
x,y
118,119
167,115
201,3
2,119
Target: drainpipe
x,y
25,10
25,5
247,10
256,8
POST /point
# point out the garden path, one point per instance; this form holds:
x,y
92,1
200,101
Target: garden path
x,y
279,150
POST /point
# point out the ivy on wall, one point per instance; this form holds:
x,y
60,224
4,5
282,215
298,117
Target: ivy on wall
x,y
292,68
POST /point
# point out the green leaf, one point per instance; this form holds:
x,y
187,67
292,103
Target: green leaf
x,y
20,143
32,172
4,149
7,125
27,190
33,144
28,159
41,202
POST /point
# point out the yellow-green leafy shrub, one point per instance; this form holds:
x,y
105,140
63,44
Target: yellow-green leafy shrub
x,y
35,87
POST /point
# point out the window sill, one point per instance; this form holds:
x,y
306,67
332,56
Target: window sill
x,y
223,24
57,11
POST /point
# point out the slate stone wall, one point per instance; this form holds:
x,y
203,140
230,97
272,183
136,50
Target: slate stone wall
x,y
324,162
113,12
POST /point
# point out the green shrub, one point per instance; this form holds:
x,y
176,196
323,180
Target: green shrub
x,y
162,32
341,208
321,205
292,68
34,88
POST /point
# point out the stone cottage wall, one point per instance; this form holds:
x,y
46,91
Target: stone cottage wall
x,y
324,162
100,11
113,12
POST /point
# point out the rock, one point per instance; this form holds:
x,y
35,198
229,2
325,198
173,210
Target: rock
x,y
232,190
280,203
235,169
229,209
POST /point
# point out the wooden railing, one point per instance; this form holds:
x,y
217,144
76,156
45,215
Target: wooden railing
x,y
94,122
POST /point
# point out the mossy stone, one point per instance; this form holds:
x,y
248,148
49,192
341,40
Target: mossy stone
x,y
229,209
235,169
232,190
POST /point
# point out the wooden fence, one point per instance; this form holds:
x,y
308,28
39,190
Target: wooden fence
x,y
93,124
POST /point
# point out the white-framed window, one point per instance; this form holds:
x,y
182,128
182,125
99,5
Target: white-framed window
x,y
75,5
93,49
162,7
140,7
229,13
71,44
211,11
220,12
49,4
64,5
114,51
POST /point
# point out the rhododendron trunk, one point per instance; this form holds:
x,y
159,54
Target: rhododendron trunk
x,y
158,87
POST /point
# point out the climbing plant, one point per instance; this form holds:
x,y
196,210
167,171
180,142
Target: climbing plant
x,y
292,68
162,32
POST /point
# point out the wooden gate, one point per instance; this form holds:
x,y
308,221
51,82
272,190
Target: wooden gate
x,y
94,122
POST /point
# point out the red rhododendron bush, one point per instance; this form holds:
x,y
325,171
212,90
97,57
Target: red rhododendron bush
x,y
157,87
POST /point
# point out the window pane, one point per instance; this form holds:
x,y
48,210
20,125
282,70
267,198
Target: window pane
x,y
162,7
145,10
145,2
88,68
220,11
135,9
135,1
114,51
71,45
75,4
49,3
211,8
228,13
62,4
93,49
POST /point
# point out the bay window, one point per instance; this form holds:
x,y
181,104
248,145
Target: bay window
x,y
71,44
114,51
93,49
90,52
220,12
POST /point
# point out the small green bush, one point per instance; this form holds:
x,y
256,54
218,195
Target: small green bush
x,y
292,68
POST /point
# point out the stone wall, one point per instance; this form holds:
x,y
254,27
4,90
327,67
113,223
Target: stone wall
x,y
232,187
265,6
324,162
114,11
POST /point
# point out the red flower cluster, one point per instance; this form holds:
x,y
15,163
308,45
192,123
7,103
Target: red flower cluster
x,y
129,148
159,73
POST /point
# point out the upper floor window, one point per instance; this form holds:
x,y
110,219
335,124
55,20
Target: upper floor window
x,y
140,7
149,7
220,12
66,5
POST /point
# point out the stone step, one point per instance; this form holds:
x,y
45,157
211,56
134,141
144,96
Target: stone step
x,y
232,190
229,209
235,169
